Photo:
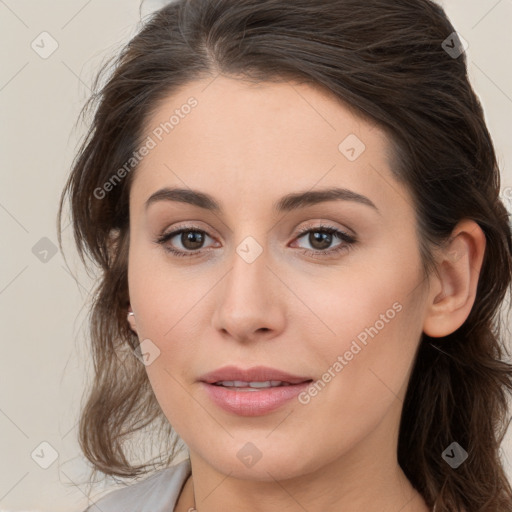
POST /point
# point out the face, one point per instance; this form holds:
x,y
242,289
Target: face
x,y
328,288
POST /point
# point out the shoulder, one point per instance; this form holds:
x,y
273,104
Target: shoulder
x,y
157,493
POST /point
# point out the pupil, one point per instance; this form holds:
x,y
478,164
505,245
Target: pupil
x,y
316,236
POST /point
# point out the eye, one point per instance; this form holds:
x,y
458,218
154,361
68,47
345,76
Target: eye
x,y
321,237
190,238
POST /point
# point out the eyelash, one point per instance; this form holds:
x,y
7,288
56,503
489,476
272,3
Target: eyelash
x,y
347,240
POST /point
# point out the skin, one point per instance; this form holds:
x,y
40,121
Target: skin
x,y
247,145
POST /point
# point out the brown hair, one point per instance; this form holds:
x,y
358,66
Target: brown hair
x,y
388,60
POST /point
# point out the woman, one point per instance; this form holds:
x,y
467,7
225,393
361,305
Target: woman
x,y
295,206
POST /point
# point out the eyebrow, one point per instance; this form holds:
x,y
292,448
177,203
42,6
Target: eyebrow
x,y
287,203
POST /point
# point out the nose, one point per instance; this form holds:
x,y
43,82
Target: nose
x,y
250,301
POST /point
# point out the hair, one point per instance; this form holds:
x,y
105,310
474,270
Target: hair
x,y
386,60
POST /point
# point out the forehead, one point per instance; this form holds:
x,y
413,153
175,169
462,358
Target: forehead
x,y
259,140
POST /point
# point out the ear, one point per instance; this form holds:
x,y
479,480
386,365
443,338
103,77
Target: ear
x,y
453,290
131,320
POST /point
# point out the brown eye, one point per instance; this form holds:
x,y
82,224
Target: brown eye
x,y
184,241
320,239
192,240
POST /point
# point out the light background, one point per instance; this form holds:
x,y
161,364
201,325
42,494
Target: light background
x,y
43,308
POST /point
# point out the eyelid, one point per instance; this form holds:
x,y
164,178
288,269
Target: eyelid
x,y
321,225
186,226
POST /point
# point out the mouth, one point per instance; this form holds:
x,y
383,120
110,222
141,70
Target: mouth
x,y
239,385
255,391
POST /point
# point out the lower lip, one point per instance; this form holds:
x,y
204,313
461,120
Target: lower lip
x,y
253,403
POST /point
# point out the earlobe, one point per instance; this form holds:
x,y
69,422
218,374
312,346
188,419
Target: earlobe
x,y
459,266
131,320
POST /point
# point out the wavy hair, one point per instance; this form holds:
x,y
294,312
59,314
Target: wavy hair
x,y
389,60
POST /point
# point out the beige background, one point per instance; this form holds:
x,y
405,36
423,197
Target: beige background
x,y
44,361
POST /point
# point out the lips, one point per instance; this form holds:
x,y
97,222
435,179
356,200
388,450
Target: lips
x,y
254,391
234,376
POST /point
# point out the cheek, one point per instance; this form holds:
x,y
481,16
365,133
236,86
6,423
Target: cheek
x,y
172,395
371,380
363,303
371,322
160,295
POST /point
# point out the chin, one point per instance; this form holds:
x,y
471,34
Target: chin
x,y
261,460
